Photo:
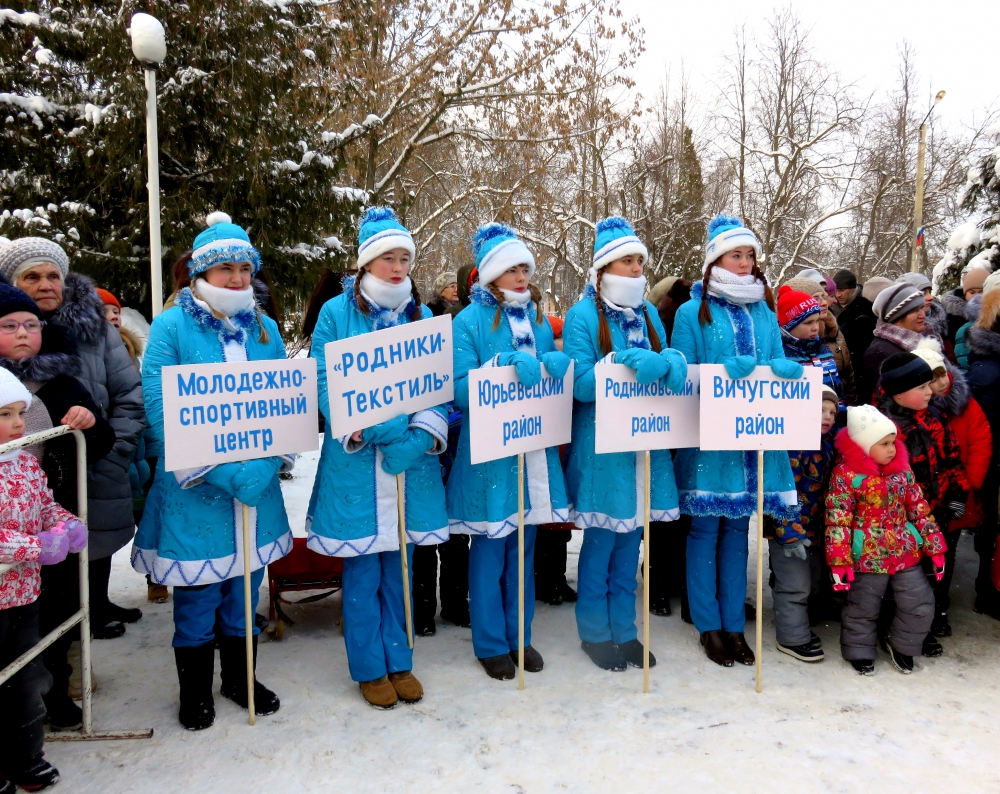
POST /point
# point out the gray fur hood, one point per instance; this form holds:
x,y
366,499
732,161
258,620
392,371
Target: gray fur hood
x,y
81,310
43,367
954,303
956,400
983,342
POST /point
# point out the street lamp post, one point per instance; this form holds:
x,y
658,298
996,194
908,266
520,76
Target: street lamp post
x,y
918,203
149,46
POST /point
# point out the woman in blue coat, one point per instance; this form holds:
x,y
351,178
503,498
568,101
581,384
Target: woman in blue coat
x,y
353,512
730,321
191,531
613,324
503,325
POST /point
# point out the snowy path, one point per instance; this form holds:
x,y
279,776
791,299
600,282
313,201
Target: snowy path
x,y
575,728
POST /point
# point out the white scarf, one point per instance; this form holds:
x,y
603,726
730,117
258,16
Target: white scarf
x,y
516,298
623,291
741,290
8,456
393,297
228,302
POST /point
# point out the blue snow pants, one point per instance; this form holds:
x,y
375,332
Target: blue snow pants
x,y
493,592
374,615
195,610
605,607
717,572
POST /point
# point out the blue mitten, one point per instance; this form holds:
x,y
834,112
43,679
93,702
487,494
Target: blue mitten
x,y
529,371
388,431
556,363
786,368
677,369
648,366
254,477
739,366
400,455
222,477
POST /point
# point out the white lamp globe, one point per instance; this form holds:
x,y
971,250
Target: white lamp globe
x,y
148,39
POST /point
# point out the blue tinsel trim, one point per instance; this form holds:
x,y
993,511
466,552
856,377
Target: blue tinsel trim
x,y
637,323
741,506
479,294
740,318
381,318
244,320
216,256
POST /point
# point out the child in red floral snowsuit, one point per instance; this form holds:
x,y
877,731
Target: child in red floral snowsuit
x,y
878,527
34,531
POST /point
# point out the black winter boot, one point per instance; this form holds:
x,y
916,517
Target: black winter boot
x,y
39,775
605,655
500,667
62,714
233,662
196,673
632,652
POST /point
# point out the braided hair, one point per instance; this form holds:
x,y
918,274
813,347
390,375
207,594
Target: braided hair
x,y
604,330
705,314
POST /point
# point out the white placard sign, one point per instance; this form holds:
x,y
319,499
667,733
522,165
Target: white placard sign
x,y
400,370
761,411
508,418
632,417
241,410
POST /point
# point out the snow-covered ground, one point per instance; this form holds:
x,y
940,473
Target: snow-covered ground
x,y
702,728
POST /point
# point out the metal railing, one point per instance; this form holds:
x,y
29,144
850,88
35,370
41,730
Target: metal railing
x,y
82,615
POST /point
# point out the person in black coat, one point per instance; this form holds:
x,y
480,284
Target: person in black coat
x,y
856,317
984,380
46,364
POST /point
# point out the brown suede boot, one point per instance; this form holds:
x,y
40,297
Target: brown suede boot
x,y
157,593
736,643
379,693
407,686
715,648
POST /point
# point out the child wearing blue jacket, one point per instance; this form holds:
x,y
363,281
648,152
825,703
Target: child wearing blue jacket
x,y
612,323
353,511
191,531
730,321
503,325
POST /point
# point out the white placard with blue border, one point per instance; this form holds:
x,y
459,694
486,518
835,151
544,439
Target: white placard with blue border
x,y
761,411
241,410
632,417
400,370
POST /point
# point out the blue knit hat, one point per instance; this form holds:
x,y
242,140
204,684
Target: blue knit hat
x,y
222,241
498,249
615,238
381,231
726,233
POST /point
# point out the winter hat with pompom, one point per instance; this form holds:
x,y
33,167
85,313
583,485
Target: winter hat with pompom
x,y
19,255
381,231
795,307
108,298
866,426
12,390
615,238
222,241
497,249
726,233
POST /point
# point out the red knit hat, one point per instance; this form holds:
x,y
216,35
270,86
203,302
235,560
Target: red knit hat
x,y
107,298
557,325
794,307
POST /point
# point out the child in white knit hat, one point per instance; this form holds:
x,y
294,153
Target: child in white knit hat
x,y
34,531
878,528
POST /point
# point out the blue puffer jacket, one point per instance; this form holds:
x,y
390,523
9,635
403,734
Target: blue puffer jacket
x,y
189,529
353,510
719,483
603,488
482,499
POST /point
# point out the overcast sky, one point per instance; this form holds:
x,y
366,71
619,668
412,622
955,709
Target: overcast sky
x,y
860,38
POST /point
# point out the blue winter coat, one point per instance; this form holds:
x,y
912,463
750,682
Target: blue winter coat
x,y
721,483
189,529
603,489
353,510
482,499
